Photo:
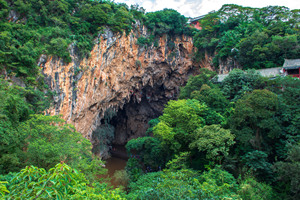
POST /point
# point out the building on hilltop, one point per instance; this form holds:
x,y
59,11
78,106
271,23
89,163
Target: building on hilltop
x,y
268,72
292,67
194,22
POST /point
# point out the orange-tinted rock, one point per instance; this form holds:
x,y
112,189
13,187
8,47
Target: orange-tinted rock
x,y
116,69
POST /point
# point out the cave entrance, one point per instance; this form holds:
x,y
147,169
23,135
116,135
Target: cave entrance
x,y
117,128
132,121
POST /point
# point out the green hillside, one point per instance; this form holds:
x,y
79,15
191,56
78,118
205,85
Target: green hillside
x,y
239,139
254,37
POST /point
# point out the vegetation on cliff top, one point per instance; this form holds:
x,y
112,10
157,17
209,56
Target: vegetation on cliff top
x,y
253,37
30,28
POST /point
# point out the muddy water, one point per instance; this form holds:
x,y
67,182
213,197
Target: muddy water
x,y
113,164
116,162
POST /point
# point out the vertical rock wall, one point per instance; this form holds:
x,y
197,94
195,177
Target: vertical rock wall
x,y
118,72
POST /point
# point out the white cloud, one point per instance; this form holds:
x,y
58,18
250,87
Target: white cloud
x,y
147,4
193,8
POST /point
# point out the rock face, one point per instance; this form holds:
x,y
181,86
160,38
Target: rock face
x,y
225,66
133,81
228,65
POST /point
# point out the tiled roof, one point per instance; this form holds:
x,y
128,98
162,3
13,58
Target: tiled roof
x,y
291,63
268,72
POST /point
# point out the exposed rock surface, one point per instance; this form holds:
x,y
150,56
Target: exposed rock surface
x,y
132,80
225,66
228,65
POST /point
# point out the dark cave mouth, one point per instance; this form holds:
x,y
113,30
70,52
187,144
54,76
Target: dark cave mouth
x,y
131,121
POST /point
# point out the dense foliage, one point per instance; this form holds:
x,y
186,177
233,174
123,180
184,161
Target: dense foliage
x,y
17,106
255,137
167,21
35,142
253,37
28,138
235,140
185,184
30,28
59,182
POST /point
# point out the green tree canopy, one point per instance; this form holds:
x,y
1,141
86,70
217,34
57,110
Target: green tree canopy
x,y
238,82
48,140
179,121
149,150
288,172
17,103
212,97
185,184
195,83
253,121
253,37
59,182
166,21
214,141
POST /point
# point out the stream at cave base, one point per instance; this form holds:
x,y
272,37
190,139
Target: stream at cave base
x,y
115,163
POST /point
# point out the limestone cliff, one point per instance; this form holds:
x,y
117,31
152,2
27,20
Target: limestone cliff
x,y
134,81
225,66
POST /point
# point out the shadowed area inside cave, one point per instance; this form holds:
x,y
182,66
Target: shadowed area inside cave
x,y
117,128
132,121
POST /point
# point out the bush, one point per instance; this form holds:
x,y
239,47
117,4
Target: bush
x,y
60,182
138,64
250,189
121,177
142,41
133,169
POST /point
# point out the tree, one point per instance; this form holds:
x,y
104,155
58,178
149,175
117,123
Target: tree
x,y
149,150
253,121
250,189
288,172
288,90
179,121
95,15
60,182
214,141
179,162
258,162
133,169
59,47
212,97
185,184
152,123
165,185
48,140
13,110
217,183
238,82
254,38
195,83
166,21
253,50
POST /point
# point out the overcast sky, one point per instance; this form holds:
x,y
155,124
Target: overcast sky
x,y
194,8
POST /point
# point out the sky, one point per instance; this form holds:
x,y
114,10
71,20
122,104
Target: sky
x,y
194,8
